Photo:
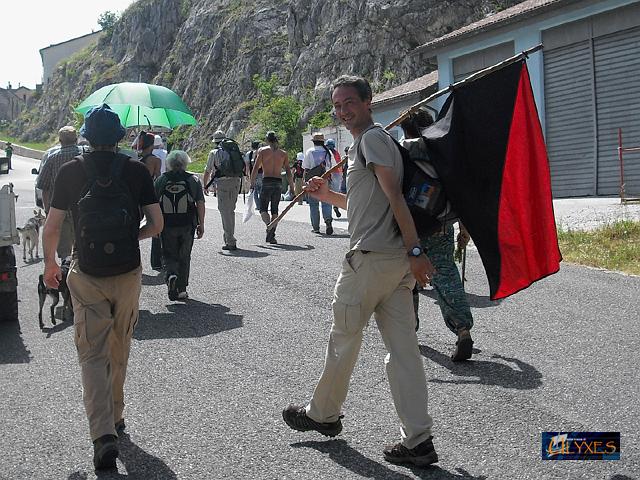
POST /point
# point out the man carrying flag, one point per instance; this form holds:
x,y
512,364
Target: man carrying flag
x,y
377,277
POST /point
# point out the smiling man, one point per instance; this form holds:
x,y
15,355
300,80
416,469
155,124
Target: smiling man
x,y
378,274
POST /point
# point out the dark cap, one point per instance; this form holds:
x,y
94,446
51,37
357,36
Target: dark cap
x,y
271,136
102,126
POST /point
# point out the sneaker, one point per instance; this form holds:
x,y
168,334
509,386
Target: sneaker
x,y
171,284
329,227
315,230
105,452
120,426
421,455
231,248
464,346
183,296
337,212
296,417
273,240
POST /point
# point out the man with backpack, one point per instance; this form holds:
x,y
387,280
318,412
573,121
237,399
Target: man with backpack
x,y
225,164
378,273
105,192
318,160
182,203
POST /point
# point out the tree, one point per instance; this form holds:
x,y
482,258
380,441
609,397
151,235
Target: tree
x,y
107,21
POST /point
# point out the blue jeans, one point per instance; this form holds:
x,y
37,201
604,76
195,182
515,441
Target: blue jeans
x,y
315,213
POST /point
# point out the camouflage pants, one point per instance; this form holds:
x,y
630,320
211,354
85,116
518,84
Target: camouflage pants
x,y
447,285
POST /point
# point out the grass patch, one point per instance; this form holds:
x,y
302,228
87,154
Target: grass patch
x,y
16,141
613,247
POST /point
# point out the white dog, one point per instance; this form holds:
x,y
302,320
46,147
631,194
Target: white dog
x,y
31,234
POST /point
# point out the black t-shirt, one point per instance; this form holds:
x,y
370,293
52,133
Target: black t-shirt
x,y
72,179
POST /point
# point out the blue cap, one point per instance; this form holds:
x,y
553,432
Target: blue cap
x,y
102,126
331,143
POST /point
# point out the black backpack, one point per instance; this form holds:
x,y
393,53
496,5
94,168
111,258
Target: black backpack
x,y
176,199
423,193
108,222
233,164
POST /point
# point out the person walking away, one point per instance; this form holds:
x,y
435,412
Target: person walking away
x,y
105,192
272,160
439,247
67,151
336,178
298,175
182,203
160,152
153,164
8,151
377,276
250,161
225,164
317,160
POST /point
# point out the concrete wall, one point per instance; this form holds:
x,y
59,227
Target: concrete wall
x,y
22,151
10,105
54,54
340,134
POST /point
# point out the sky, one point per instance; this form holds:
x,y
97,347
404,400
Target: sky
x,y
29,25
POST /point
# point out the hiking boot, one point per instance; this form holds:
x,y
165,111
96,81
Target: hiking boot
x,y
183,295
273,240
105,452
296,417
464,346
421,455
171,284
337,212
329,227
120,426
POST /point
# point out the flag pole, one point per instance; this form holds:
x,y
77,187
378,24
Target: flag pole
x,y
469,79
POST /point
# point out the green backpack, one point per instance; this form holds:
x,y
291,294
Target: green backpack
x,y
233,164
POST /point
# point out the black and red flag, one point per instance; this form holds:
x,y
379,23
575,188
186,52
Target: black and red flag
x,y
488,149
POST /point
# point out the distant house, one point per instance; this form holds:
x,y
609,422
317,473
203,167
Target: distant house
x,y
388,105
585,81
10,104
54,54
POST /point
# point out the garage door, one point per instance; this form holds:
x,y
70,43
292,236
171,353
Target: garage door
x,y
617,70
570,123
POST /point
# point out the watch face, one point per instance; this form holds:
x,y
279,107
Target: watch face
x,y
416,251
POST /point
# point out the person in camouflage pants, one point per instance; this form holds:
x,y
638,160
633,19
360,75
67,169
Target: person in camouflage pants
x,y
439,247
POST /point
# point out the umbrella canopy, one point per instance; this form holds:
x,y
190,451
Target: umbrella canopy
x,y
141,104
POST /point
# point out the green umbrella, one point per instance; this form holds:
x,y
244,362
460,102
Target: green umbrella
x,y
141,104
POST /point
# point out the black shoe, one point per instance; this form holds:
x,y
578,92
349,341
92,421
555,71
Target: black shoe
x,y
105,452
464,346
273,240
337,212
296,417
171,284
315,230
120,426
271,236
231,248
329,227
421,455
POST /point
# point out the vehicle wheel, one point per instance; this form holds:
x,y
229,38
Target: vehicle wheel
x,y
9,302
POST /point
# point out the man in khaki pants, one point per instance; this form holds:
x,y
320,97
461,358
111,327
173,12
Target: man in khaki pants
x,y
104,278
377,277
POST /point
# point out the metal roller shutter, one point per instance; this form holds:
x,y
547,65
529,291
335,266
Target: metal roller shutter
x,y
570,125
617,67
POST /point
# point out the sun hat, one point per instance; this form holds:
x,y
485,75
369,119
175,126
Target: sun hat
x,y
218,136
102,126
331,143
318,137
300,156
157,141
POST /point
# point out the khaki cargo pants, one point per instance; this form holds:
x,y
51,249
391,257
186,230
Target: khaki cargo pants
x,y
378,284
105,313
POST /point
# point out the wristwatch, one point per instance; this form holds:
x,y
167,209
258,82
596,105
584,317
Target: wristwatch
x,y
415,252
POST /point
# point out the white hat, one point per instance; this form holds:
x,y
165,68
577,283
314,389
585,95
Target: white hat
x,y
157,141
218,136
300,156
318,137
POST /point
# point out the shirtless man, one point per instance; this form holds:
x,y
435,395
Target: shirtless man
x,y
272,160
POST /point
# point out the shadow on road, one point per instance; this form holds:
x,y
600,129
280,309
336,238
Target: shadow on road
x,y
475,301
284,246
29,262
244,253
436,473
157,279
186,320
523,377
12,348
58,327
138,464
343,454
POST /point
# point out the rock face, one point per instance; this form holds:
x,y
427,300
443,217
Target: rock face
x,y
209,50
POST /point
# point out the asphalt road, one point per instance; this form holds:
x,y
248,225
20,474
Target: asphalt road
x,y
208,379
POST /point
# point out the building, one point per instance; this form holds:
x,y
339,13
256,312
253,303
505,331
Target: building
x,y
10,105
584,81
54,54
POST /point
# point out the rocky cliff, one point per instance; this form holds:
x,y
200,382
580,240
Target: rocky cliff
x,y
209,50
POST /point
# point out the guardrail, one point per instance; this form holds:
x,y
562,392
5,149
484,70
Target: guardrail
x,y
24,151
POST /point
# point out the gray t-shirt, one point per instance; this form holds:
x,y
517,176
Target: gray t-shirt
x,y
372,225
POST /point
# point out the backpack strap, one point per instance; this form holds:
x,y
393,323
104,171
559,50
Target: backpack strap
x,y
117,166
89,167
